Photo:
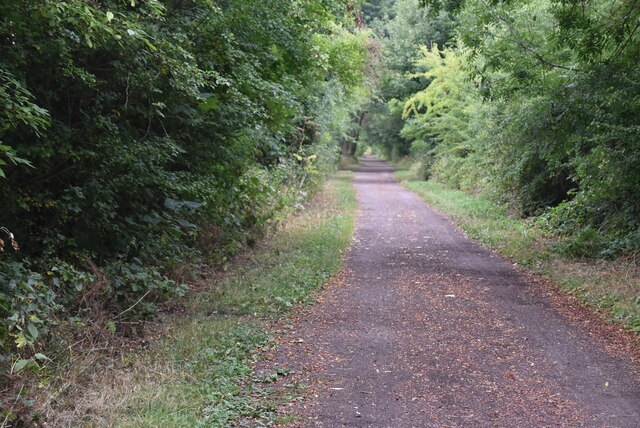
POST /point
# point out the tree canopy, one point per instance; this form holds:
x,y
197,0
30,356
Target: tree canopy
x,y
138,136
533,103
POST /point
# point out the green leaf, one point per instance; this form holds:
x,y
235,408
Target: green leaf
x,y
40,356
20,364
21,341
33,331
192,205
111,326
109,16
175,205
187,224
172,204
211,103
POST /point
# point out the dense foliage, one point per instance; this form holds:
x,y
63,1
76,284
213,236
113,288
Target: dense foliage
x,y
139,135
534,103
401,27
143,140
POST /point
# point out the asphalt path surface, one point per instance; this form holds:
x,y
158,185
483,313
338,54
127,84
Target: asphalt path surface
x,y
426,328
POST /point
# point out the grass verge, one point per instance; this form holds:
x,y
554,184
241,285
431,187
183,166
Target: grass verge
x,y
349,163
199,372
611,288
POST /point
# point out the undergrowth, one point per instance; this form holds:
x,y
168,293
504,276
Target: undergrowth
x,y
610,287
199,372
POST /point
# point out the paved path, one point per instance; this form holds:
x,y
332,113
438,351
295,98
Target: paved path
x,y
427,329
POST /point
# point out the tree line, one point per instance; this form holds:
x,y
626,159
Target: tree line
x,y
532,103
143,141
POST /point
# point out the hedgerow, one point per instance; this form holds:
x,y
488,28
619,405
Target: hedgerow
x,y
138,136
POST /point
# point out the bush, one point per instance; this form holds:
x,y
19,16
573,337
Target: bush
x,y
141,136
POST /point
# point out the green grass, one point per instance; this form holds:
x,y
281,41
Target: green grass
x,y
349,163
610,288
200,373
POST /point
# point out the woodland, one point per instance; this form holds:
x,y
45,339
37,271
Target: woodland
x,y
529,103
144,142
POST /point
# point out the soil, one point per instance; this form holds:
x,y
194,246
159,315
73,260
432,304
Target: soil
x,y
426,328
